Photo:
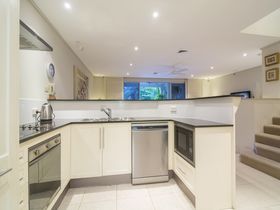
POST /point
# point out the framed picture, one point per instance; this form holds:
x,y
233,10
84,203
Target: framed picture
x,y
272,75
81,85
271,59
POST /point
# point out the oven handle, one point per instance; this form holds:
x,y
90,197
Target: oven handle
x,y
41,156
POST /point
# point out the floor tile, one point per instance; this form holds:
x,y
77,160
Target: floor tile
x,y
102,205
168,202
162,188
125,191
69,207
100,193
142,203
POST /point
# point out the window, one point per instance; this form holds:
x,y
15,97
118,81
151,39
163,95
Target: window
x,y
178,90
153,90
131,90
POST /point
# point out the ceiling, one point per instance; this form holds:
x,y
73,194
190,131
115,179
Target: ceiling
x,y
103,33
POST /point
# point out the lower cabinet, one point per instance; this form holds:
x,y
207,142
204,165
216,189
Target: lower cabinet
x,y
116,149
100,149
86,150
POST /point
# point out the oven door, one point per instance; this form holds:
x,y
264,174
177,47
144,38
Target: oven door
x,y
184,142
44,176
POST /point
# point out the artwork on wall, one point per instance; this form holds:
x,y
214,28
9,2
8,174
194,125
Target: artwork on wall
x,y
81,85
271,59
272,75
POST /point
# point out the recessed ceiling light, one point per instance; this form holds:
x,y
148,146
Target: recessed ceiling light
x,y
211,67
131,64
245,54
192,76
127,74
155,14
136,48
67,5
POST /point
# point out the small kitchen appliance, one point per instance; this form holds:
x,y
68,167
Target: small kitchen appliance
x,y
46,113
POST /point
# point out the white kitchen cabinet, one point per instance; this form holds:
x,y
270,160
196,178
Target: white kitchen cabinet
x,y
100,149
116,149
86,151
9,45
65,155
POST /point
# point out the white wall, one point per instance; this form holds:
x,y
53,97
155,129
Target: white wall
x,y
216,109
33,77
270,89
244,80
251,116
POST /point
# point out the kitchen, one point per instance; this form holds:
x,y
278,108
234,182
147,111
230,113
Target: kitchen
x,y
108,121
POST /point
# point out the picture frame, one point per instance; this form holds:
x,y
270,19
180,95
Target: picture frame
x,y
271,59
81,85
272,75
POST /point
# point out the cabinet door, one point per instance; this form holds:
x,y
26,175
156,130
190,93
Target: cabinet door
x,y
65,155
117,149
86,151
9,45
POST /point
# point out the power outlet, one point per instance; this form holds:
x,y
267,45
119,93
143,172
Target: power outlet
x,y
34,112
173,109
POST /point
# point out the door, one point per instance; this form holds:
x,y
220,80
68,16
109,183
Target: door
x,y
9,47
116,149
86,151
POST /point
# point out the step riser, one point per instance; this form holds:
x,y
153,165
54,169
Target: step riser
x,y
268,154
271,130
274,172
267,141
276,121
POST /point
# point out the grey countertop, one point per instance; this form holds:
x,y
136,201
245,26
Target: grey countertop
x,y
43,128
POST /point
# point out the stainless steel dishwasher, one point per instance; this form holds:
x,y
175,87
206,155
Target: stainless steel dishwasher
x,y
149,153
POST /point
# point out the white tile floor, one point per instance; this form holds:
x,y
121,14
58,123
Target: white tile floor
x,y
164,196
255,191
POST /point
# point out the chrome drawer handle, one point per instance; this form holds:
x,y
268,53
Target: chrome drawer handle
x,y
2,173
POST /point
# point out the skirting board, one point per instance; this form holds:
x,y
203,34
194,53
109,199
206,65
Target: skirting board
x,y
101,181
60,199
184,188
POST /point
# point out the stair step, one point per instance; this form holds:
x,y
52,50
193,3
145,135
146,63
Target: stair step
x,y
260,163
272,129
276,120
267,151
268,139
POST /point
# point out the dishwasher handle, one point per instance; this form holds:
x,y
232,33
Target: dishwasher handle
x,y
149,127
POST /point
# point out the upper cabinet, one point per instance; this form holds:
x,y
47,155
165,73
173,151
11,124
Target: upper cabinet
x,y
30,40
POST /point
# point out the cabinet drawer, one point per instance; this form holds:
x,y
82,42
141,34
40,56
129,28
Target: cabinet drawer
x,y
185,172
22,157
23,199
23,174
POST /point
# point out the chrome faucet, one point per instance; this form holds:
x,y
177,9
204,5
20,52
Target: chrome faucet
x,y
108,112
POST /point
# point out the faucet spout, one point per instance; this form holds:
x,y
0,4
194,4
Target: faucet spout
x,y
108,112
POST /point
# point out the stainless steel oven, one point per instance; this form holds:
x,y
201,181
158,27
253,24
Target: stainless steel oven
x,y
184,142
44,172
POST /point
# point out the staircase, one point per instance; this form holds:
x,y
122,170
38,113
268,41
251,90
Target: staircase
x,y
266,156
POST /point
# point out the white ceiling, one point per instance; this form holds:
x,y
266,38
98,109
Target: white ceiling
x,y
108,30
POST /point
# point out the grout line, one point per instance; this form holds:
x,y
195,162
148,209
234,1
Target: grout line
x,y
150,196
